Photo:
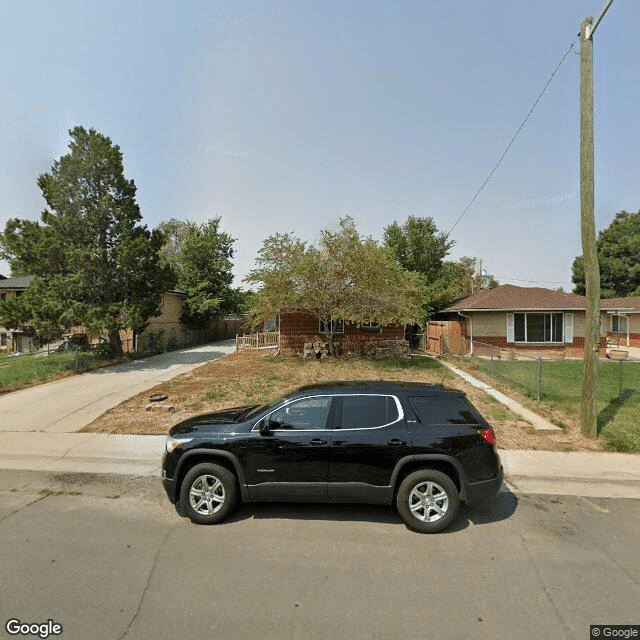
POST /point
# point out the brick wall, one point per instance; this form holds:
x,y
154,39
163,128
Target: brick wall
x,y
634,339
298,328
574,349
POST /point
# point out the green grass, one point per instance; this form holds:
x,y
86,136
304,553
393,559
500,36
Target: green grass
x,y
617,397
23,370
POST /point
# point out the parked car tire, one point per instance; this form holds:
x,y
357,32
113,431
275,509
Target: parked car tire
x,y
208,493
428,501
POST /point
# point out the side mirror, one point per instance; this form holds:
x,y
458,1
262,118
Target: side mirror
x,y
263,427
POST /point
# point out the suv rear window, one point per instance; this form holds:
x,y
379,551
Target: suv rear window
x,y
444,410
366,411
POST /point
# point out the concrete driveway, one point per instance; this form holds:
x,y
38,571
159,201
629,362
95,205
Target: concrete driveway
x,y
70,404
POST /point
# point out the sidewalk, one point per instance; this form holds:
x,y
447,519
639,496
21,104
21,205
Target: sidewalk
x,y
538,422
607,475
70,404
604,475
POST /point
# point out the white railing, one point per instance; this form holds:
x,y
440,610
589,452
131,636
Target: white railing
x,y
266,340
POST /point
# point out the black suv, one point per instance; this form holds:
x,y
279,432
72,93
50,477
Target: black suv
x,y
421,445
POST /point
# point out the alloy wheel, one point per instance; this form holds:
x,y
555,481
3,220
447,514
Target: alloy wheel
x,y
428,501
206,495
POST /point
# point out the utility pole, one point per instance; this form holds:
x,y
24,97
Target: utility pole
x,y
588,412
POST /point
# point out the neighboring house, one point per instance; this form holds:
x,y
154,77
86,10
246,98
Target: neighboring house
x,y
298,328
622,320
176,332
169,322
531,319
13,340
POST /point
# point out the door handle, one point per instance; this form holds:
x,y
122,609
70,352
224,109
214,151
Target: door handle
x,y
338,443
396,442
318,441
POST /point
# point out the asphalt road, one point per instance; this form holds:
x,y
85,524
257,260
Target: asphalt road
x,y
111,558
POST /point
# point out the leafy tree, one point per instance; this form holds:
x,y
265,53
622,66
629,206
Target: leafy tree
x,y
345,277
16,313
199,256
461,278
418,246
619,258
94,264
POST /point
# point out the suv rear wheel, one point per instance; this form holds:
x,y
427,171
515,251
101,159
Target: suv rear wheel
x,y
208,493
428,501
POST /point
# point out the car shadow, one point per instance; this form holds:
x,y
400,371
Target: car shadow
x,y
496,509
501,507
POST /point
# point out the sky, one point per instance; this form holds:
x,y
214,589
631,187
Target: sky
x,y
284,116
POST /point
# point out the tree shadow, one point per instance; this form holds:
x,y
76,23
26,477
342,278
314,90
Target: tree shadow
x,y
606,415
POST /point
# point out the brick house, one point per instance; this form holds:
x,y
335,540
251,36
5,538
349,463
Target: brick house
x,y
298,328
529,319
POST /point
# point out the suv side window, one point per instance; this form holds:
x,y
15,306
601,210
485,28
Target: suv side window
x,y
444,410
368,411
306,414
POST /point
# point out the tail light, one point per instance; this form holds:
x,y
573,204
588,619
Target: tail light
x,y
488,435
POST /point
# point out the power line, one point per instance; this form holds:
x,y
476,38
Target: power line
x,y
477,193
532,281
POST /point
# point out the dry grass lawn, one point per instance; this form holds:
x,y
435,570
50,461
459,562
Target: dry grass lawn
x,y
257,377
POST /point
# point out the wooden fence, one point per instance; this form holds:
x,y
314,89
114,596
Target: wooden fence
x,y
446,337
267,340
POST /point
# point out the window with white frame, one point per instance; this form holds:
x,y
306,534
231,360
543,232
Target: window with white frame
x,y
537,327
619,324
339,326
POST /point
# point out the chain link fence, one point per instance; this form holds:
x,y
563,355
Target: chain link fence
x,y
546,376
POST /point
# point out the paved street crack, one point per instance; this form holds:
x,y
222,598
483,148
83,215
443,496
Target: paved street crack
x,y
547,594
24,506
146,586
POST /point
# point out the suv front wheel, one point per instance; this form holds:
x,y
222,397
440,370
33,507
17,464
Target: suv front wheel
x,y
428,501
208,493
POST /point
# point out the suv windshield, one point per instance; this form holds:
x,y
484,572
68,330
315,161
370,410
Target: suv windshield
x,y
252,411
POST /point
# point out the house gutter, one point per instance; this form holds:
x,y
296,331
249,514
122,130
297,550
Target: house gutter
x,y
471,330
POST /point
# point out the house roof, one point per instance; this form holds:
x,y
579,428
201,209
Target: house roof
x,y
16,283
630,303
508,296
